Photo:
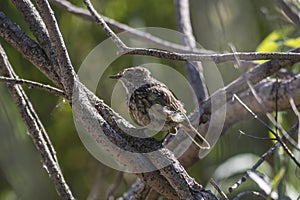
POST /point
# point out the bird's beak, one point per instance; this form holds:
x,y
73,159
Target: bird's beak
x,y
117,76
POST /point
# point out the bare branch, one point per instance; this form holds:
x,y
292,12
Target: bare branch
x,y
12,34
255,75
67,73
265,89
263,158
217,58
38,28
112,188
35,22
194,70
118,42
215,185
284,146
36,130
85,14
290,12
32,84
293,56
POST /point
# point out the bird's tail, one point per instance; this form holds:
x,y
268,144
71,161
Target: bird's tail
x,y
194,135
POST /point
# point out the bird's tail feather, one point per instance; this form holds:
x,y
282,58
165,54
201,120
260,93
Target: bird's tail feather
x,y
191,131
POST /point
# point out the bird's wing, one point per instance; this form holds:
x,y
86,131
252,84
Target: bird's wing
x,y
162,95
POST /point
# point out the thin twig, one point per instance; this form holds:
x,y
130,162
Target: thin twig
x,y
32,84
257,138
215,185
270,117
118,42
284,146
262,158
290,12
217,58
112,188
117,26
297,113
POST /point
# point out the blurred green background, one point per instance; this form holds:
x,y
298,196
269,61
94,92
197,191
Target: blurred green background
x,y
216,23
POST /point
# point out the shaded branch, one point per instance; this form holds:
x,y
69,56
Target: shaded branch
x,y
262,158
290,12
39,30
217,58
85,14
36,130
67,73
235,113
266,91
32,84
254,76
194,70
13,35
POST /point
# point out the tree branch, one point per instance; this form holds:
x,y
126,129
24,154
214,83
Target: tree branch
x,y
265,90
290,12
255,75
66,69
36,130
38,28
194,70
85,14
217,58
32,84
12,34
263,157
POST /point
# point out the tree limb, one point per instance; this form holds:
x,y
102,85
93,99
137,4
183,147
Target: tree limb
x,y
194,70
61,54
12,34
36,130
32,84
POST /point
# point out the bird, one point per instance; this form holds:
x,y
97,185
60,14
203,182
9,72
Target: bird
x,y
151,103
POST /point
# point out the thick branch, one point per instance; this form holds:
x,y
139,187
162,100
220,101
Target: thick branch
x,y
266,90
93,122
236,113
254,76
67,73
38,28
12,34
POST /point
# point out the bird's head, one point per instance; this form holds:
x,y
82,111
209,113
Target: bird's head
x,y
134,77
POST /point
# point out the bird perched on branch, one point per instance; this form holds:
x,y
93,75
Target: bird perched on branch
x,y
152,104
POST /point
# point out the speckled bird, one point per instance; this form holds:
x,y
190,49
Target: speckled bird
x,y
152,104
